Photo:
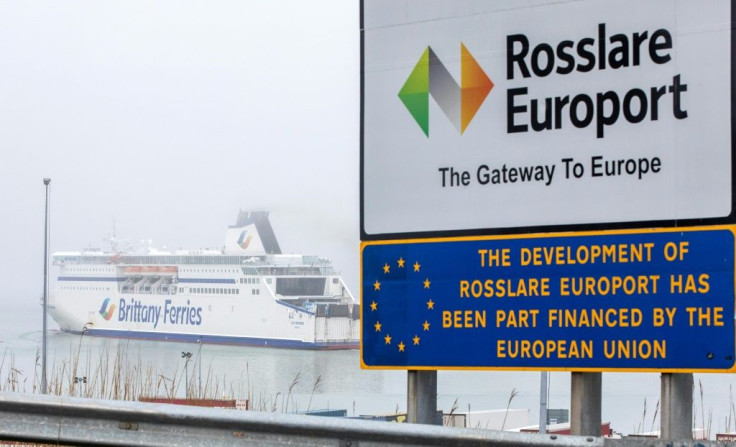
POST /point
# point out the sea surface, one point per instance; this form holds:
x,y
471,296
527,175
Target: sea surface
x,y
285,380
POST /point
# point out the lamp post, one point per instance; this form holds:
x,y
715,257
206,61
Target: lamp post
x,y
46,182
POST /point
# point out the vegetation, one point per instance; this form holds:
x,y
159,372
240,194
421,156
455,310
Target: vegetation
x,y
117,375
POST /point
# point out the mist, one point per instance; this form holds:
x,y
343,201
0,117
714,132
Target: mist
x,y
167,118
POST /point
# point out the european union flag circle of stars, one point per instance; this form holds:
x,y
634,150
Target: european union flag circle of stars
x,y
396,328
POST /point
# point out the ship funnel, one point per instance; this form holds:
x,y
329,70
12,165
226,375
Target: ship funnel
x,y
252,234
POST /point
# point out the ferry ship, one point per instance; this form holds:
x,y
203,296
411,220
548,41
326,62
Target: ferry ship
x,y
247,293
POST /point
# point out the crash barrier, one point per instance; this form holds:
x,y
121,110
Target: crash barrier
x,y
78,421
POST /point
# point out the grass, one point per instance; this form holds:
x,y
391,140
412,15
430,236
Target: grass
x,y
118,375
702,418
706,425
513,395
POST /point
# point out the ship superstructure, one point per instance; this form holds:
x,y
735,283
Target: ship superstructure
x,y
246,293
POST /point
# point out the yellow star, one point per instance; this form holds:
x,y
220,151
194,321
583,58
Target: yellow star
x,y
416,266
377,326
386,268
430,304
374,306
401,262
416,339
401,346
377,285
388,339
426,325
426,283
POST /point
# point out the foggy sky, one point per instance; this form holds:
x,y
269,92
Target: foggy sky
x,y
169,117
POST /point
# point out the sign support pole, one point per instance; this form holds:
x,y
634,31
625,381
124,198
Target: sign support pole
x,y
585,403
543,403
677,406
421,407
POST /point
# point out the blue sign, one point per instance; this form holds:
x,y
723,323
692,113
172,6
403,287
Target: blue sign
x,y
640,300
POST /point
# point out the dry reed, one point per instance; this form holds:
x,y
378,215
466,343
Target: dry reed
x,y
116,375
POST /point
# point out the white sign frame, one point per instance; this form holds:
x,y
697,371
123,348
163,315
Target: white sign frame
x,y
448,182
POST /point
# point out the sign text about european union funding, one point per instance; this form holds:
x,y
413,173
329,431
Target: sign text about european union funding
x,y
661,300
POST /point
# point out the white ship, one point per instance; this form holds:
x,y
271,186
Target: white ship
x,y
248,293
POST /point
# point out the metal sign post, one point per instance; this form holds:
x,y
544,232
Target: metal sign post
x,y
677,406
421,393
543,403
585,403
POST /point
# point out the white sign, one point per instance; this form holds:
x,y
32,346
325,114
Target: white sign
x,y
482,115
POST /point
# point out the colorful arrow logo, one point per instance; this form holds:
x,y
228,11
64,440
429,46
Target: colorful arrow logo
x,y
459,103
107,309
244,241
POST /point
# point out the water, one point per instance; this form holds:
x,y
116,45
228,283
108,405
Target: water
x,y
334,380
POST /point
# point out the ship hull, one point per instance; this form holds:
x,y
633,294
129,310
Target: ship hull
x,y
255,321
246,294
219,340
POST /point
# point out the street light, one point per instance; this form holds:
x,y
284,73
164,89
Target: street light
x,y
46,182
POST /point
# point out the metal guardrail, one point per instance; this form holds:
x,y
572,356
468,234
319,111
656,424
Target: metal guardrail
x,y
77,421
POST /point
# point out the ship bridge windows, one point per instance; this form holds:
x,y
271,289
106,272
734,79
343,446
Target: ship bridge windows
x,y
299,270
290,270
300,286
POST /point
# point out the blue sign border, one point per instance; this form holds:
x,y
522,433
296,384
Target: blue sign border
x,y
409,287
